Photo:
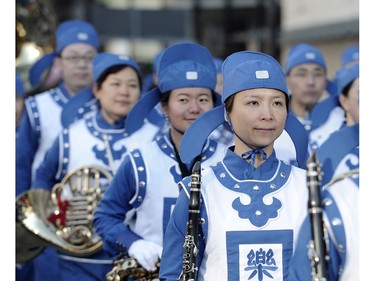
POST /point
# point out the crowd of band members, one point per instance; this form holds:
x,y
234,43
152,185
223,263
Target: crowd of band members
x,y
253,124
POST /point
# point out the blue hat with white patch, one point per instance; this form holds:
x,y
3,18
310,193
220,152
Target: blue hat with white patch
x,y
242,71
103,61
250,70
182,65
186,65
304,53
76,31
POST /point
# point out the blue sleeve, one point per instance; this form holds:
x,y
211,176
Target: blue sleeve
x,y
45,175
300,266
112,209
26,145
173,245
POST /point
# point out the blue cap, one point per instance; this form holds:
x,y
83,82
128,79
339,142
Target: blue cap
x,y
20,90
182,65
250,70
219,64
40,67
76,31
241,71
350,54
304,53
103,61
346,75
185,65
156,61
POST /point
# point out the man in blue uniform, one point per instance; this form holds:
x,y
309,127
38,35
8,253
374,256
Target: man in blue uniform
x,y
77,42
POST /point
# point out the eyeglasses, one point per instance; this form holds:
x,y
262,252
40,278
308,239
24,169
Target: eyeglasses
x,y
76,59
305,75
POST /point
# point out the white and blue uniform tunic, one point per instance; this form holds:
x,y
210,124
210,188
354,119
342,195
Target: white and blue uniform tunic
x,y
340,153
40,126
38,129
341,219
251,221
88,142
144,191
345,193
252,224
327,117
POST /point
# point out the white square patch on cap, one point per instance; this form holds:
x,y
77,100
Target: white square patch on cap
x,y
123,57
262,74
82,36
310,56
191,75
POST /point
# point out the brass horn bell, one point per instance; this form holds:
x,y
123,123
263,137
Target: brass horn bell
x,y
61,218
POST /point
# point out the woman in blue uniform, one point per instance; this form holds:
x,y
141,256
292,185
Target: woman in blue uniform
x,y
99,139
253,204
144,189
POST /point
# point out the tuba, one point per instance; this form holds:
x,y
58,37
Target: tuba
x,y
62,218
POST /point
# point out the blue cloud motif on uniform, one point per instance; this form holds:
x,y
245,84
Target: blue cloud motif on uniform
x,y
101,154
175,173
257,212
351,165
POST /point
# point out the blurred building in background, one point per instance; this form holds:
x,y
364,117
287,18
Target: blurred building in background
x,y
142,28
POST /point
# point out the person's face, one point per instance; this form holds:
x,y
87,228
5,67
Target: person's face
x,y
187,104
118,94
351,103
306,83
75,63
258,116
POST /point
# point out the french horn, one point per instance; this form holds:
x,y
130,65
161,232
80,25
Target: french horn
x,y
62,218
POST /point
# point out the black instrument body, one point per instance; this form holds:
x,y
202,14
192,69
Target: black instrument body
x,y
189,262
318,253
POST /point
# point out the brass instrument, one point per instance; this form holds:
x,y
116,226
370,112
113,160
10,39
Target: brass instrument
x,y
317,248
125,266
63,217
189,262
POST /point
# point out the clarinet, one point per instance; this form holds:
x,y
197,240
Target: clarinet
x,y
318,253
189,259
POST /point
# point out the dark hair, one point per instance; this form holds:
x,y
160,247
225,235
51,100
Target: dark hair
x,y
345,90
165,97
229,103
115,69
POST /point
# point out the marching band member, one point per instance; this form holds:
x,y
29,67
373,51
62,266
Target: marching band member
x,y
77,42
306,76
339,154
98,139
144,189
253,204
